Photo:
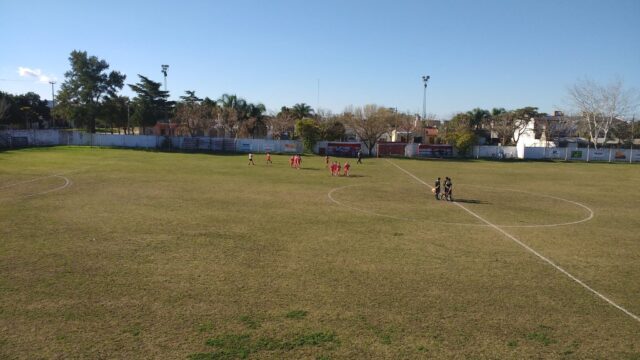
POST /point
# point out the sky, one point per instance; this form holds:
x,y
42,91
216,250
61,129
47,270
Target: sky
x,y
332,54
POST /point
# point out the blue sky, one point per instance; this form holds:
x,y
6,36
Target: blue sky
x,y
492,53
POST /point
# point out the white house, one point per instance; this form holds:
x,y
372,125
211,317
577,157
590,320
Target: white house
x,y
525,135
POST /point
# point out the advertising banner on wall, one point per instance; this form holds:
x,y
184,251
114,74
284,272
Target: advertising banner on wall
x,y
620,155
555,154
391,149
599,155
245,146
635,155
576,154
289,148
343,149
427,150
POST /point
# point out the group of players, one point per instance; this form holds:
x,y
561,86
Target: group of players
x,y
296,162
448,190
335,167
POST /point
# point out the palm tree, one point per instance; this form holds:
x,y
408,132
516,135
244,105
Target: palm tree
x,y
301,111
478,117
233,112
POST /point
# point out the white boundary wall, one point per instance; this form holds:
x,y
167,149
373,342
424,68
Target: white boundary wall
x,y
53,137
79,138
495,152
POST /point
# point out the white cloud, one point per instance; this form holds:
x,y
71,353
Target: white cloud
x,y
35,73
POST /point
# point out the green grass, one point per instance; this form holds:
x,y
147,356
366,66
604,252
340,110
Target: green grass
x,y
164,255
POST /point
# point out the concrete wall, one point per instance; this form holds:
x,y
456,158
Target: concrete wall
x,y
495,152
79,138
62,137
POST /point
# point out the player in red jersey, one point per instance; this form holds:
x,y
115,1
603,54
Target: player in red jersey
x,y
269,158
346,168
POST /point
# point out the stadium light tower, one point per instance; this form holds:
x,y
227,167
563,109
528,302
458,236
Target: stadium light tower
x,y
164,71
425,79
53,101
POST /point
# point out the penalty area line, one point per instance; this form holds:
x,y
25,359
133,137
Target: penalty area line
x,y
529,249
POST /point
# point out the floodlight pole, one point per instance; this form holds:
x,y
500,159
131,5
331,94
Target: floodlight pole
x,y
128,126
632,139
53,102
425,79
164,71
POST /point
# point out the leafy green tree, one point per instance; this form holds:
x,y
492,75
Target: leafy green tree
x,y
151,104
458,132
478,117
309,131
23,110
85,86
190,97
113,113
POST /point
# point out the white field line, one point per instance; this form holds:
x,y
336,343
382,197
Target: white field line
x,y
526,247
369,212
354,208
66,184
547,196
42,177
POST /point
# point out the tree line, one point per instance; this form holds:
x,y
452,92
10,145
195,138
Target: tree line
x,y
89,98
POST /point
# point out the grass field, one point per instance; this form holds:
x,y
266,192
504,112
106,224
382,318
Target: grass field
x,y
138,255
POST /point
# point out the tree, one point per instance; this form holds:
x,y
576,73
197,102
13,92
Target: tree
x,y
521,119
232,113
404,122
254,124
85,86
23,110
369,123
458,132
114,113
301,111
478,117
193,117
282,123
150,104
190,97
600,105
332,129
309,132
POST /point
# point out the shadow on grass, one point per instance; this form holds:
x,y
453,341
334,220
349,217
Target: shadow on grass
x,y
471,201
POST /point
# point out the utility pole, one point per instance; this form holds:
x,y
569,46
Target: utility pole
x,y
425,79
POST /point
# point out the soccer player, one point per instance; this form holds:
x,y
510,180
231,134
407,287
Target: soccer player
x,y
437,189
292,160
346,168
447,188
269,158
338,168
359,157
326,161
450,193
251,159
